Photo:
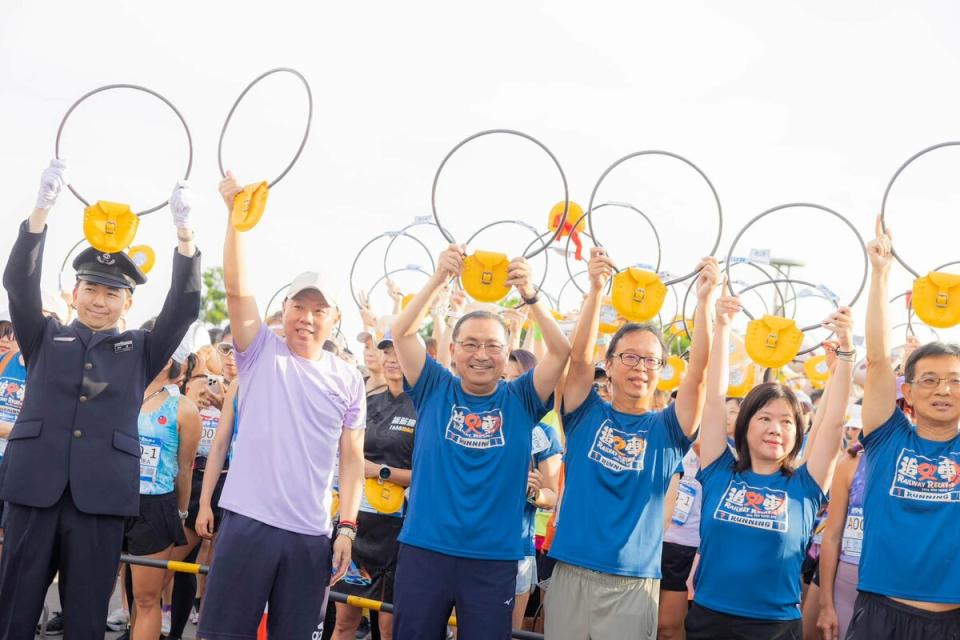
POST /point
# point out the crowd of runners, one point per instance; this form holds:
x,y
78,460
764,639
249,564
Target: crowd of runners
x,y
489,463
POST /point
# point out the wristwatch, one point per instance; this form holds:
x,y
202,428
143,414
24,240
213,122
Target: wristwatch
x,y
348,532
384,473
183,515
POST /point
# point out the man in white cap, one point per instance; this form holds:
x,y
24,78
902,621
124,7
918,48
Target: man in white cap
x,y
297,405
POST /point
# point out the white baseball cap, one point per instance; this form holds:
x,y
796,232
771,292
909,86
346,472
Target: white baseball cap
x,y
318,282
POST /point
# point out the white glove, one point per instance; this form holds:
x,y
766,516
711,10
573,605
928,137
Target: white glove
x,y
52,181
181,203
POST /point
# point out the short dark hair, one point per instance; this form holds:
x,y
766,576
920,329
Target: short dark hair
x,y
635,327
929,350
478,315
759,397
524,359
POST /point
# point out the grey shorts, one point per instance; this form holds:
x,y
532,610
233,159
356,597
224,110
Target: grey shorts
x,y
255,565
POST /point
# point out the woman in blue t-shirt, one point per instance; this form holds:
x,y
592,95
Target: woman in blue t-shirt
x,y
620,458
758,508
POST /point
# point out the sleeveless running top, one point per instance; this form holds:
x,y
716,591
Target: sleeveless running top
x,y
852,539
159,444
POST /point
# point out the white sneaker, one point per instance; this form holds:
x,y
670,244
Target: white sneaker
x,y
194,616
118,620
165,624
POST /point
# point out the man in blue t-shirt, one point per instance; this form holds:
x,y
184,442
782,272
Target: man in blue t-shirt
x,y
909,562
463,537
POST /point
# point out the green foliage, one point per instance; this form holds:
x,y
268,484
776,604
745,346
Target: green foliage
x,y
213,306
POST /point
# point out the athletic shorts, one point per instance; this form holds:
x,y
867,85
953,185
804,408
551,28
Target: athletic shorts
x,y
808,568
193,510
157,527
675,564
526,575
877,617
707,624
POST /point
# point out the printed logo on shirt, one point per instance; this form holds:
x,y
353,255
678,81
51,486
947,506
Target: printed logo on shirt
x,y
918,477
759,507
475,430
618,450
11,398
406,425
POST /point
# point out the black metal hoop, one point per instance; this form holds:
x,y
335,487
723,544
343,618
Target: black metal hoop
x,y
589,216
637,154
803,329
135,87
66,260
306,131
886,194
404,232
728,263
356,259
563,178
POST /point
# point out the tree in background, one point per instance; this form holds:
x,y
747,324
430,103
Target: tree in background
x,y
213,307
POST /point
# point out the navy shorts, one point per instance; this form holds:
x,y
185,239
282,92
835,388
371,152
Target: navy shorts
x,y
876,617
255,564
428,585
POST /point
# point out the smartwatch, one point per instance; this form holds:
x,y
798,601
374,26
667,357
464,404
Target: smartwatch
x,y
384,472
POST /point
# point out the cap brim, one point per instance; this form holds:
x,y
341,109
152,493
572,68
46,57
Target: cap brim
x,y
99,278
326,297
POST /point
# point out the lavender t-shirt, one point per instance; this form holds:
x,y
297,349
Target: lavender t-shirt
x,y
291,413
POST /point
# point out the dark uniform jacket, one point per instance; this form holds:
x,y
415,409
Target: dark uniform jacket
x,y
78,424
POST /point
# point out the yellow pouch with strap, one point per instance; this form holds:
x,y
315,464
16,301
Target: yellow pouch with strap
x,y
672,373
142,256
936,299
384,496
334,503
249,205
638,294
816,369
109,227
773,341
484,276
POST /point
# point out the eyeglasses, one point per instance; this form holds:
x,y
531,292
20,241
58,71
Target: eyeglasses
x,y
225,348
632,360
932,382
492,348
599,386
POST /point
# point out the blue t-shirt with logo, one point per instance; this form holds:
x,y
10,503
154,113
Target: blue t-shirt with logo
x,y
13,386
618,467
754,531
911,511
546,444
471,456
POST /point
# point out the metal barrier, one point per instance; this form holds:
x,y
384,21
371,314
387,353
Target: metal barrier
x,y
336,596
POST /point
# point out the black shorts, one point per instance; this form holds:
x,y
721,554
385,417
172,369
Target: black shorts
x,y
374,558
707,624
193,510
877,617
675,564
156,528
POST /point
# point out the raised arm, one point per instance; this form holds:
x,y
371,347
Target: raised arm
x,y
880,390
547,373
410,351
713,433
580,372
692,391
241,305
826,448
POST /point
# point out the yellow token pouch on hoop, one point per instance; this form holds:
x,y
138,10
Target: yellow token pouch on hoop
x,y
672,373
484,276
109,227
936,299
386,497
249,205
773,341
638,294
143,256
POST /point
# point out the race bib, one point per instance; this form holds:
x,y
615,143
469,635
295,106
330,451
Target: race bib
x,y
852,541
11,398
3,447
918,477
686,495
149,458
541,442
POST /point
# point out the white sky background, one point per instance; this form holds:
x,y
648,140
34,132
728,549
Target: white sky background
x,y
816,102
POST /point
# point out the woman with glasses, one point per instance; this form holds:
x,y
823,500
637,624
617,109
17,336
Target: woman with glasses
x,y
619,461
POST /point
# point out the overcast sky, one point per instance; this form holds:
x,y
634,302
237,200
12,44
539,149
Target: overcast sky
x,y
776,103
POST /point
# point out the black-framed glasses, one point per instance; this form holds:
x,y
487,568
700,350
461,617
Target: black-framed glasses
x,y
932,382
632,360
492,348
